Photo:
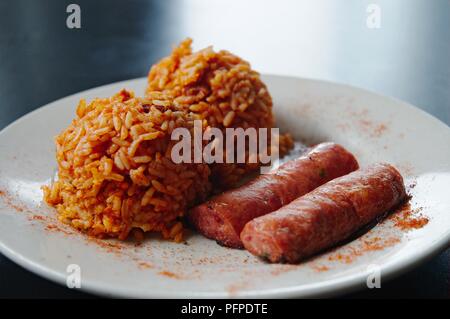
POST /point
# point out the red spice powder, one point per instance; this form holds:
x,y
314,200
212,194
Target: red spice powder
x,y
9,201
282,269
348,255
406,218
320,268
234,289
56,228
374,130
362,120
169,274
18,208
109,246
343,127
379,130
144,265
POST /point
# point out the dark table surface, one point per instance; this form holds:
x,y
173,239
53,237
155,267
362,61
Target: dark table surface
x,y
407,57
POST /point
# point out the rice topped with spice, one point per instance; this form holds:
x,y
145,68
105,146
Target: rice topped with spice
x,y
115,173
222,89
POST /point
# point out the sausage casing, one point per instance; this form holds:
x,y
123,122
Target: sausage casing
x,y
326,216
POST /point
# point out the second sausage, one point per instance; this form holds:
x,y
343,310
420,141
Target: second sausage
x,y
326,216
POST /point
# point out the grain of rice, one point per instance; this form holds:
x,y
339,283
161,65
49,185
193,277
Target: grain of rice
x,y
147,196
123,132
120,142
118,162
117,123
228,119
158,186
133,147
142,159
149,136
128,119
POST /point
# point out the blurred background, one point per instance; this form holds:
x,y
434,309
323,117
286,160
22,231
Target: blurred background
x,y
399,48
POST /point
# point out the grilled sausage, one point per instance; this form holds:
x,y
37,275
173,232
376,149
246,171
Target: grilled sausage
x,y
326,216
223,217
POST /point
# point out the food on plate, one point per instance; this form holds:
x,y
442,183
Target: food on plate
x,y
224,91
326,216
115,173
223,217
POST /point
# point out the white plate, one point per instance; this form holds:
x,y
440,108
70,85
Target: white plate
x,y
375,128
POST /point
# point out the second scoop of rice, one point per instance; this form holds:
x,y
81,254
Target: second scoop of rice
x,y
223,90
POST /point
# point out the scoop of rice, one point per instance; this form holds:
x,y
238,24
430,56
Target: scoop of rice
x,y
220,86
115,172
223,90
